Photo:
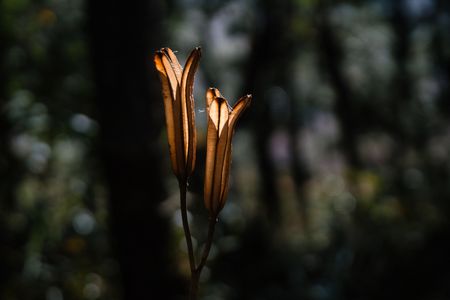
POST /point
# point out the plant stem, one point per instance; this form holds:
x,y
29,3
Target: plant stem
x,y
183,187
196,275
195,271
209,240
194,286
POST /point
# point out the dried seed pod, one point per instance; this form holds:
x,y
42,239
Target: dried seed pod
x,y
177,90
221,124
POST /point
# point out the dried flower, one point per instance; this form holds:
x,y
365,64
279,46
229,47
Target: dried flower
x,y
221,123
177,90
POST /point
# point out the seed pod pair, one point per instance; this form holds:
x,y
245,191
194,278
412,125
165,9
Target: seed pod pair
x,y
177,89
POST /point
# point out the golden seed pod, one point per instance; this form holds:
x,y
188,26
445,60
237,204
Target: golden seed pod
x,y
177,90
221,124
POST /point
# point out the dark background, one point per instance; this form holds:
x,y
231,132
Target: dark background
x,y
340,182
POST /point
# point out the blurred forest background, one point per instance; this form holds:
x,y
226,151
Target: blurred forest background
x,y
340,184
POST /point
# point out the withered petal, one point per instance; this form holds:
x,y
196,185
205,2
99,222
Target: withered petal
x,y
168,108
217,93
177,118
171,75
211,145
188,110
240,106
221,150
235,114
223,114
174,63
211,93
225,172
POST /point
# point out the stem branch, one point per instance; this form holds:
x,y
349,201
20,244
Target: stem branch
x,y
195,270
187,232
196,275
211,227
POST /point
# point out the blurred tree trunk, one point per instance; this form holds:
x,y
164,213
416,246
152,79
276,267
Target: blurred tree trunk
x,y
401,83
441,59
124,37
332,55
268,78
11,242
441,55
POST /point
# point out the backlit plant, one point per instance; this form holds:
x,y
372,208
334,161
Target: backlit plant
x,y
177,90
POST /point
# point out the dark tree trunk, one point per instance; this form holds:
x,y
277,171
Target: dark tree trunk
x,y
441,57
123,39
11,242
270,69
332,55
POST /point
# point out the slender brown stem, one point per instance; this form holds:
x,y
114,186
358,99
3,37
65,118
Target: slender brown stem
x,y
193,292
195,270
187,232
209,240
196,275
